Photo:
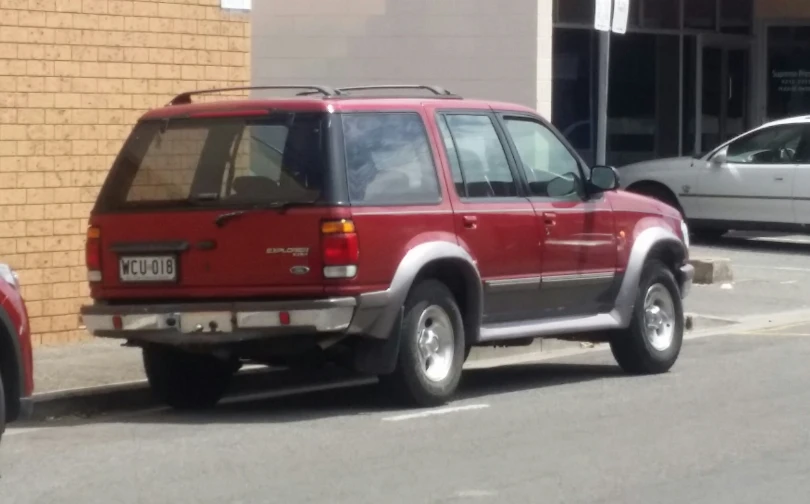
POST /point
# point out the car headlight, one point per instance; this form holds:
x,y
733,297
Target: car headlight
x,y
685,233
8,274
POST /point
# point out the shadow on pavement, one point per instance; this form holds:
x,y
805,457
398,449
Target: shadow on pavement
x,y
369,398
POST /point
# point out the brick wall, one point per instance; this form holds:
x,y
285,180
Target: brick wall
x,y
74,77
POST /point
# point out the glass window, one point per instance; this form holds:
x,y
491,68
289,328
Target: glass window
x,y
700,14
452,155
775,145
388,159
222,162
662,14
576,11
481,156
788,71
736,16
545,160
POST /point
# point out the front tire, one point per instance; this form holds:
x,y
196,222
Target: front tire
x,y
184,380
653,341
431,353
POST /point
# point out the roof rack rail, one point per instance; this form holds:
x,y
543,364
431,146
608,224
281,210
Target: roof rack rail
x,y
436,90
185,98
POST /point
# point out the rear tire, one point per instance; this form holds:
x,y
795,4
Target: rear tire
x,y
184,380
431,352
653,341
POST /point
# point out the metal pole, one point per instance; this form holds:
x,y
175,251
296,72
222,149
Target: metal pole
x,y
604,80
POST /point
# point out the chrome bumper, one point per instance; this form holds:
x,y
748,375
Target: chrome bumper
x,y
218,322
686,278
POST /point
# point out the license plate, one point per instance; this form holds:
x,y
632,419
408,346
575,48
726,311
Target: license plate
x,y
148,269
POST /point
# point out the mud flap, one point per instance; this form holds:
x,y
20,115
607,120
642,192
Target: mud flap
x,y
379,357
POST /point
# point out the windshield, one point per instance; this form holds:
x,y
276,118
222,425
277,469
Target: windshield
x,y
233,162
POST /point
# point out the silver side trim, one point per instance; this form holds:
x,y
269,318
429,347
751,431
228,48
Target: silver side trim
x,y
550,327
513,284
578,280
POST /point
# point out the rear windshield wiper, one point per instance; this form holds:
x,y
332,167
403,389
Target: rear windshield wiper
x,y
222,219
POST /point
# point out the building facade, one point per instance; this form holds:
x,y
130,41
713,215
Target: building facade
x,y
74,77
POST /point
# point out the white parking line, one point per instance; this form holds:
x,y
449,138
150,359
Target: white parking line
x,y
435,412
775,268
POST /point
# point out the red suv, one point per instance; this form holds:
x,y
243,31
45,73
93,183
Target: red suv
x,y
391,233
16,359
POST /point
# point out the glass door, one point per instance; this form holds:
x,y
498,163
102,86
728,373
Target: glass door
x,y
723,91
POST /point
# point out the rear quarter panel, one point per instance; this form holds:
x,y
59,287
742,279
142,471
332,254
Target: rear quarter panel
x,y
14,307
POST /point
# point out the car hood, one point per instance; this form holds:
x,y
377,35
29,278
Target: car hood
x,y
658,165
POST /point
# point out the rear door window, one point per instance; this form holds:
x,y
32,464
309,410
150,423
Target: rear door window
x,y
219,162
389,160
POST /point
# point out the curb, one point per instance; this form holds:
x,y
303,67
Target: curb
x,y
712,270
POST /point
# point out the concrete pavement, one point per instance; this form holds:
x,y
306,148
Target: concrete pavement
x,y
727,425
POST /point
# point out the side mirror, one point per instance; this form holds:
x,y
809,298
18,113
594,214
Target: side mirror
x,y
720,159
604,178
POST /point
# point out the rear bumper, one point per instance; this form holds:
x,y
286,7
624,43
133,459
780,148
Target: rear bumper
x,y
216,323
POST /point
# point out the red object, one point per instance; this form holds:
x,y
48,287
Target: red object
x,y
509,238
118,322
284,318
16,356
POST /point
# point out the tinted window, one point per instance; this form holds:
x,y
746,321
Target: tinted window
x,y
550,168
388,159
191,162
452,156
775,145
481,156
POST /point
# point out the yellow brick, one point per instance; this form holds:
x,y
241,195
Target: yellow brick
x,y
34,308
66,290
66,227
40,164
58,20
8,148
39,132
31,52
58,148
121,8
39,324
7,213
31,244
67,195
43,5
30,277
69,6
64,322
54,275
57,53
31,116
68,259
12,132
84,53
12,229
111,23
27,180
30,18
39,195
57,211
8,180
78,274
31,212
30,148
12,196
94,6
14,34
31,84
66,132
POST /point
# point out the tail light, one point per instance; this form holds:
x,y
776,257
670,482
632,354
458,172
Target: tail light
x,y
93,254
340,249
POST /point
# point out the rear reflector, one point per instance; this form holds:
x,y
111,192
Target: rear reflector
x,y
93,254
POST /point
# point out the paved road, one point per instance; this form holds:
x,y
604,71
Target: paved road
x,y
771,274
728,425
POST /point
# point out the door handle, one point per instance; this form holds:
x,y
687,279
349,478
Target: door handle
x,y
779,179
470,221
549,219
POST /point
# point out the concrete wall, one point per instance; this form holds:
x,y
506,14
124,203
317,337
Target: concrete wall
x,y
477,48
74,77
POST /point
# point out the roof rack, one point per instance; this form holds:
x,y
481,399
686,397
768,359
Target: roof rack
x,y
185,98
440,92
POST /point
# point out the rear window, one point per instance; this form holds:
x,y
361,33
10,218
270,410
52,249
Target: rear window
x,y
388,159
273,160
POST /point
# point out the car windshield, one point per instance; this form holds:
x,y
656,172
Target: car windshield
x,y
219,162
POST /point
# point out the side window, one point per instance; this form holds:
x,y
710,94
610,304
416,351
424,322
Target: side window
x,y
551,170
389,160
452,156
481,157
775,145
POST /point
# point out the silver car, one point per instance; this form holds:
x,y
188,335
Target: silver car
x,y
759,180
